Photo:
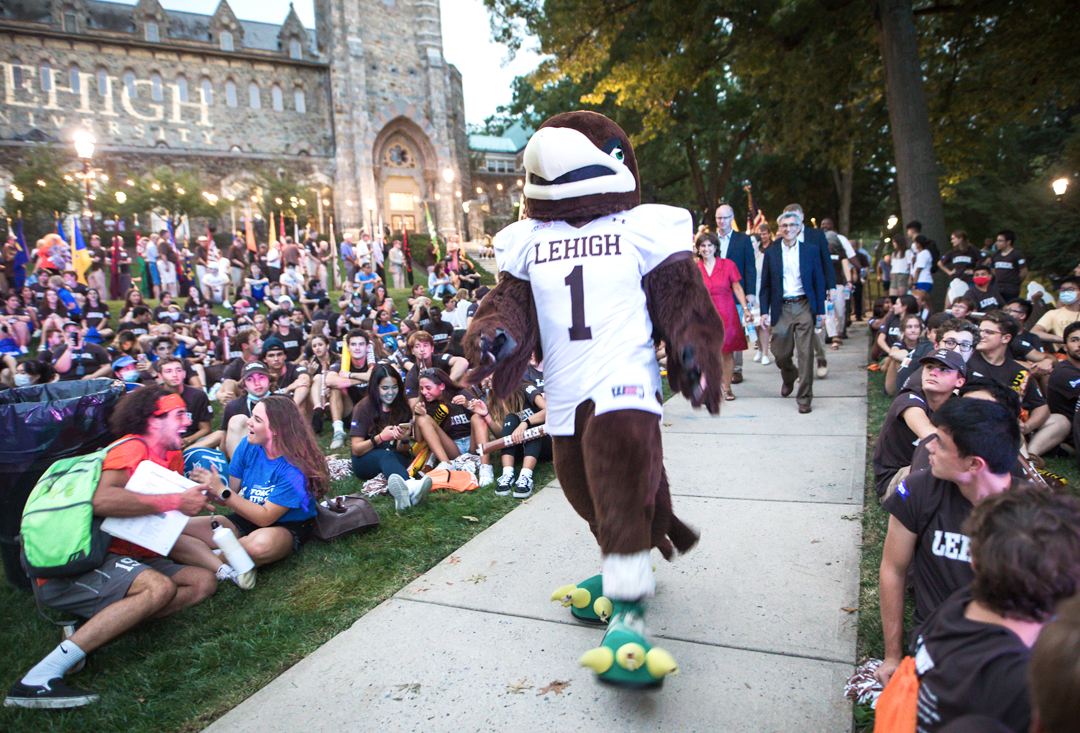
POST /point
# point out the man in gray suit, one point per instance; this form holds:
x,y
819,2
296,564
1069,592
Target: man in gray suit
x,y
737,247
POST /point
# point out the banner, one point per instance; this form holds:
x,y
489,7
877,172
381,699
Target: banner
x,y
80,255
22,255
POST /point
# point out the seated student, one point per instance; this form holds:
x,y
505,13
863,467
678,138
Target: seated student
x,y
140,322
889,332
447,416
276,475
287,377
901,350
97,316
526,408
962,307
217,285
985,296
1064,385
1051,325
991,359
76,359
386,330
255,379
440,330
1053,675
975,447
171,371
365,280
954,334
357,311
133,584
421,355
880,309
1026,346
291,337
972,654
908,419
249,344
347,381
379,438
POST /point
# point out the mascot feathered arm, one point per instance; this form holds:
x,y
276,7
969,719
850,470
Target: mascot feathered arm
x,y
503,335
684,316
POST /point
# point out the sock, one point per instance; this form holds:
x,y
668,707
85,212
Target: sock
x,y
339,426
526,472
55,664
509,471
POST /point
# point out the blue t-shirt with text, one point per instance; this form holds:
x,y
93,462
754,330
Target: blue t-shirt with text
x,y
277,481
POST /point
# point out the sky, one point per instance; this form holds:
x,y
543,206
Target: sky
x,y
466,43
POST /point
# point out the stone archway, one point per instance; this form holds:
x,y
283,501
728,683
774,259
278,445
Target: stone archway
x,y
405,168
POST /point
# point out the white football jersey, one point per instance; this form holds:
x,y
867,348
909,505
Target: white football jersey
x,y
590,303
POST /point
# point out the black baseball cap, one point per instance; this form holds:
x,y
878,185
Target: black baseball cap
x,y
947,358
254,367
272,344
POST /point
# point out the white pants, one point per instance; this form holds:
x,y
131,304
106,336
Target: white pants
x,y
834,324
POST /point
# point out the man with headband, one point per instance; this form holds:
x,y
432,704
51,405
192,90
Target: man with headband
x,y
133,584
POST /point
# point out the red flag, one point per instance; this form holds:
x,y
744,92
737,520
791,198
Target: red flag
x,y
281,217
249,234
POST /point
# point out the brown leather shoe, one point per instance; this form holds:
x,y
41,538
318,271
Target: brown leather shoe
x,y
804,409
786,389
736,378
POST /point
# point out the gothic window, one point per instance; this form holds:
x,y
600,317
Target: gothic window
x,y
230,93
74,80
253,95
181,88
399,156
46,76
226,40
102,82
295,51
301,103
151,29
70,24
207,92
275,96
16,74
129,84
155,87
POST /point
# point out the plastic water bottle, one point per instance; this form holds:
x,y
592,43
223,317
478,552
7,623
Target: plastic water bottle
x,y
234,552
830,309
751,332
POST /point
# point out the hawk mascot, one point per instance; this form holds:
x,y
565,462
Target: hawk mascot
x,y
588,279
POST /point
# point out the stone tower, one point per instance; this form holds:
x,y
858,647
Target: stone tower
x,y
398,113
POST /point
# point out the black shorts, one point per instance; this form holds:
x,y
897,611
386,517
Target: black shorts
x,y
300,531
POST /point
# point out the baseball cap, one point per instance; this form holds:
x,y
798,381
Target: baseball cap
x,y
272,344
254,367
949,359
482,291
123,361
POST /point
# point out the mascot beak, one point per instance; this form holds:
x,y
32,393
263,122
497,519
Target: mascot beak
x,y
562,163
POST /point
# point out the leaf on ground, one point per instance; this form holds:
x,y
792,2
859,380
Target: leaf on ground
x,y
814,542
557,687
420,590
470,519
849,609
477,579
851,517
518,688
454,560
667,425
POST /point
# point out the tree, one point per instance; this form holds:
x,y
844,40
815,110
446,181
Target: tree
x,y
40,188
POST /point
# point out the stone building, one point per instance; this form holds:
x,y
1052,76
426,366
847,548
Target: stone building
x,y
363,109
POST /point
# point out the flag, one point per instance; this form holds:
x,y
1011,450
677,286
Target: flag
x,y
249,233
22,255
60,227
114,280
273,234
431,232
334,257
296,229
80,255
408,254
282,230
754,217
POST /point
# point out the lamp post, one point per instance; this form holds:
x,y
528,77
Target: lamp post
x,y
370,201
1061,185
84,148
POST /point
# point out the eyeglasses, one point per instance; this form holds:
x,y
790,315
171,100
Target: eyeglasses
x,y
1016,313
427,372
725,218
988,332
951,344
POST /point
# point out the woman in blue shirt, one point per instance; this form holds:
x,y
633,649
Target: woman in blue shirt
x,y
276,475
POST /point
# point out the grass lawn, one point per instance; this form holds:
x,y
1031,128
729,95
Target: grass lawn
x,y
875,526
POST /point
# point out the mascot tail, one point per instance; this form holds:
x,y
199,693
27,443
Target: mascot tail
x,y
669,533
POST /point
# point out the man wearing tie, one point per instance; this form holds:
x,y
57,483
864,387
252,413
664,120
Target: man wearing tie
x,y
794,281
737,247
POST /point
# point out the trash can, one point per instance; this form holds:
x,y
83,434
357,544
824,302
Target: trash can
x,y
39,425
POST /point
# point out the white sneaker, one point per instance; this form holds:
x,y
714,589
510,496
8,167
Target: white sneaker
x,y
419,490
339,440
822,369
487,475
757,356
246,581
766,361
400,491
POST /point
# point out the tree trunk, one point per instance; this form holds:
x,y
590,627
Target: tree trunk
x,y
844,181
695,174
909,118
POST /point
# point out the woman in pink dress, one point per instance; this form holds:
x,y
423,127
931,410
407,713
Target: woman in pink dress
x,y
722,279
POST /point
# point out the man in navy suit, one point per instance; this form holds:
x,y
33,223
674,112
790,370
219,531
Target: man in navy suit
x,y
738,248
795,277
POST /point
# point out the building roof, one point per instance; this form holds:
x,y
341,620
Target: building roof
x,y
493,144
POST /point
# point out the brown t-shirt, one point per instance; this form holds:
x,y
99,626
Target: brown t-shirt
x,y
896,442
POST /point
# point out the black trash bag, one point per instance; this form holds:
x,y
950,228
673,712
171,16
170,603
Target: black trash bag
x,y
39,425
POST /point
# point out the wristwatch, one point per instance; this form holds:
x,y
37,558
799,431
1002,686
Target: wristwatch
x,y
225,495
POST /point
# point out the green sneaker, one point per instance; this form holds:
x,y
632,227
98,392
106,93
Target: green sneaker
x,y
625,658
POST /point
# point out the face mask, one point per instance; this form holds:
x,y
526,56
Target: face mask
x,y
22,380
981,280
131,376
1067,296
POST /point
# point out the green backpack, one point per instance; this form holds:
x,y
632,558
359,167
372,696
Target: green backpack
x,y
60,534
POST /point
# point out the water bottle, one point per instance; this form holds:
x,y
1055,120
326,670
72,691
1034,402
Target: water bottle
x,y
234,552
830,309
751,332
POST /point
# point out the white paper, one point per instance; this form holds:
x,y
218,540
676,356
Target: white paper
x,y
157,532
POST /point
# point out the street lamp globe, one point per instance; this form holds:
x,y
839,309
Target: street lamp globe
x,y
893,221
448,175
84,144
121,197
1060,186
370,203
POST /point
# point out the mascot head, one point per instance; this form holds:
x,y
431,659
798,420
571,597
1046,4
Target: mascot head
x,y
579,165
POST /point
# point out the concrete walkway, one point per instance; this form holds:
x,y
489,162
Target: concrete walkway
x,y
754,614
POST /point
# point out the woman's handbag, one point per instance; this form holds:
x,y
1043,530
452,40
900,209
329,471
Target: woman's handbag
x,y
344,515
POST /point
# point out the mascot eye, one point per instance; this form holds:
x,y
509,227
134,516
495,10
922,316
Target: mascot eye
x,y
617,154
613,147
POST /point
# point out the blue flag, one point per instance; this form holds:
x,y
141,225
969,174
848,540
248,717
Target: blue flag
x,y
60,228
80,255
22,256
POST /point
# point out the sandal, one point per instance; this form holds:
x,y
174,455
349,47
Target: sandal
x,y
729,395
835,346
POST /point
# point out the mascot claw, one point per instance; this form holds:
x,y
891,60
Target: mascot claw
x,y
585,600
625,658
494,350
693,376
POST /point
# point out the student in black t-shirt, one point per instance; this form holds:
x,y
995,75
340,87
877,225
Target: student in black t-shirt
x,y
96,315
139,323
526,408
1010,265
440,330
889,334
1054,674
959,260
171,370
287,378
953,334
76,359
962,307
985,296
421,348
976,445
899,353
992,359
972,655
381,428
255,379
1064,385
908,419
447,416
291,337
1026,346
347,384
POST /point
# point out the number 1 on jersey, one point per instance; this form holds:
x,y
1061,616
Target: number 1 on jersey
x,y
576,282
